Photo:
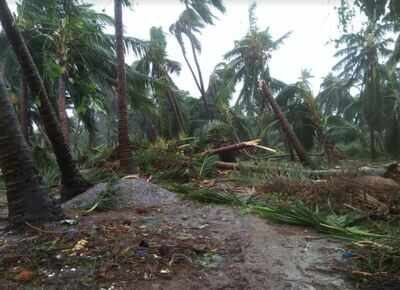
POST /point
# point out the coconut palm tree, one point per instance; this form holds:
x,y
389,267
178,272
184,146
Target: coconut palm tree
x,y
194,18
27,199
158,67
334,96
203,8
70,34
72,181
287,129
249,58
125,154
17,84
360,61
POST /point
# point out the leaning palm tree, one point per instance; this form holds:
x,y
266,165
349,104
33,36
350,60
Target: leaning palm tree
x,y
287,129
70,35
27,199
203,8
72,181
17,84
249,58
197,14
188,25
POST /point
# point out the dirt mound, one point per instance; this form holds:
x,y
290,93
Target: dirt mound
x,y
373,193
138,193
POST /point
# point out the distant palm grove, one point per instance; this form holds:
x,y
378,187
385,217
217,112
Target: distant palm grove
x,y
67,93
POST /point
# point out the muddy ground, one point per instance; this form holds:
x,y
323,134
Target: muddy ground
x,y
155,240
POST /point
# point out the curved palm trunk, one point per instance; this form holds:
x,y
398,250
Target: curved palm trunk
x,y
62,113
290,134
197,82
197,64
125,155
27,198
201,81
72,182
23,110
177,112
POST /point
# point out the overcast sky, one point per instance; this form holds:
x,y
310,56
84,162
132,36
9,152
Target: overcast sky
x,y
313,23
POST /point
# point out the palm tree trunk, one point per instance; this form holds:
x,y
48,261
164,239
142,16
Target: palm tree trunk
x,y
125,155
290,134
196,62
27,198
72,181
372,144
62,113
91,130
201,81
198,85
177,112
331,152
23,110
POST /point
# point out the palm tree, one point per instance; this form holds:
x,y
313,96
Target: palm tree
x,y
303,113
72,181
334,97
23,109
125,155
361,54
70,34
290,134
157,66
188,24
191,21
203,9
17,84
27,199
249,58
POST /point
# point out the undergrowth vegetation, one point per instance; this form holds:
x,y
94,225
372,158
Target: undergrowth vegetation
x,y
372,239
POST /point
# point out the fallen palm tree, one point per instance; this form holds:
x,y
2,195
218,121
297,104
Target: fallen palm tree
x,y
237,147
287,129
322,173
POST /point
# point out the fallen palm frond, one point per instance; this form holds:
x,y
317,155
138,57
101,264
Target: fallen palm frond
x,y
207,195
105,200
208,166
377,257
299,214
339,226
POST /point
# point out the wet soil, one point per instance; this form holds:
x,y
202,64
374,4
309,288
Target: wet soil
x,y
155,240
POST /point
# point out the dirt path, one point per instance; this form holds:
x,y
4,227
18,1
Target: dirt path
x,y
188,246
258,255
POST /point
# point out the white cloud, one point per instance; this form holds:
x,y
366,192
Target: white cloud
x,y
313,22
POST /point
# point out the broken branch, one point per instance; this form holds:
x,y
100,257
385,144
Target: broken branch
x,y
238,146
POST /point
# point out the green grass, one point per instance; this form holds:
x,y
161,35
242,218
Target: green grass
x,y
105,200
